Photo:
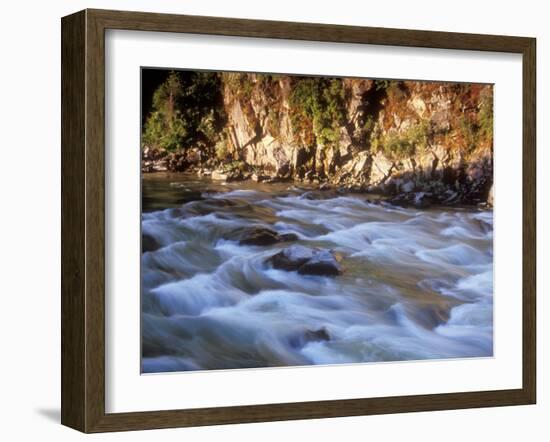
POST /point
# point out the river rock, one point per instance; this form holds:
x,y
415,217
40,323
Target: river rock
x,y
149,243
260,178
189,196
219,175
177,162
422,200
262,236
322,263
418,200
299,340
306,261
317,335
205,172
231,175
408,186
284,237
321,194
292,258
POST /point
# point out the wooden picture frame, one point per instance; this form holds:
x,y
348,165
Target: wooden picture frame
x,y
83,220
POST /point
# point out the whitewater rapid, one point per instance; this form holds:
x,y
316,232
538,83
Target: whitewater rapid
x,y
417,284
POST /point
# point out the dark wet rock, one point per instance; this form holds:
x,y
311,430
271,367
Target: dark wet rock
x,y
190,195
307,261
418,200
259,237
299,340
449,197
317,195
284,237
177,162
323,263
401,200
485,227
148,243
408,186
292,258
317,335
262,236
222,202
422,200
259,178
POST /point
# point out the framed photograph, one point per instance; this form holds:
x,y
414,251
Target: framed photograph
x,y
268,220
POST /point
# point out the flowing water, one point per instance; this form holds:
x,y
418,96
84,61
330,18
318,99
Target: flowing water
x,y
417,284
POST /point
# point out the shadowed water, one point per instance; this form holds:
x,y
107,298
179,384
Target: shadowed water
x,y
417,284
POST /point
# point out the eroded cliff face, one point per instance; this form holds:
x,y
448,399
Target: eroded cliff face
x,y
395,137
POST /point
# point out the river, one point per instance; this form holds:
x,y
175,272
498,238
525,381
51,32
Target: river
x,y
417,284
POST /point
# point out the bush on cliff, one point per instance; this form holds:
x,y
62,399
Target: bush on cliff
x,y
318,104
401,145
186,108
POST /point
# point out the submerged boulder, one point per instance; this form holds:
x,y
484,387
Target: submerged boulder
x,y
302,338
323,263
307,261
262,236
149,243
291,258
317,335
418,200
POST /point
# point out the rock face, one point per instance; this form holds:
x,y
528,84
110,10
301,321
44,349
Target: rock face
x,y
440,122
306,261
389,136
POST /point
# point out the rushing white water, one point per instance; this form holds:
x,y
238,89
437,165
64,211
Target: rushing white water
x,y
417,284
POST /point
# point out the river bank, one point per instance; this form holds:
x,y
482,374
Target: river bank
x,y
400,192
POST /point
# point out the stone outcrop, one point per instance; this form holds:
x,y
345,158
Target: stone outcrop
x,y
446,160
395,137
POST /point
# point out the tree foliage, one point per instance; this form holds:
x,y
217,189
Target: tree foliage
x,y
186,109
321,101
400,145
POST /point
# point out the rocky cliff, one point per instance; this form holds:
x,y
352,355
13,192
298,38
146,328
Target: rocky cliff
x,y
395,137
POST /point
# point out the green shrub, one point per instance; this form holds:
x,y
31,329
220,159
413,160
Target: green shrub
x,y
381,84
273,122
186,108
368,125
467,133
405,144
321,101
222,152
485,116
240,84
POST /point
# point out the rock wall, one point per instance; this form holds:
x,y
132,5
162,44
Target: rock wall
x,y
396,137
371,135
